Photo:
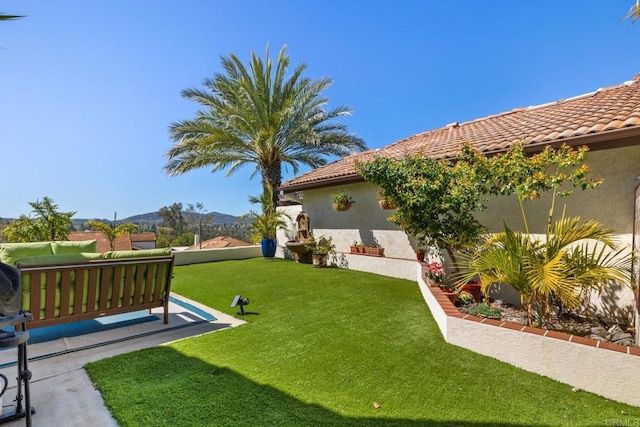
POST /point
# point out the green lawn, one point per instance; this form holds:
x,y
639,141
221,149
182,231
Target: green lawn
x,y
321,346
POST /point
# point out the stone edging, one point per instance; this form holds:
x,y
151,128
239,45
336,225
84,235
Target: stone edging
x,y
452,311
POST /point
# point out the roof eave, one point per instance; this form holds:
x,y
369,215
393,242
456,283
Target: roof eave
x,y
597,141
322,183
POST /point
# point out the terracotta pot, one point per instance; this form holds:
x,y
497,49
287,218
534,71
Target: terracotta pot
x,y
340,208
319,260
420,256
374,251
452,295
475,290
385,204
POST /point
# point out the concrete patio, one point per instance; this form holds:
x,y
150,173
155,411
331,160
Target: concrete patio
x,y
62,393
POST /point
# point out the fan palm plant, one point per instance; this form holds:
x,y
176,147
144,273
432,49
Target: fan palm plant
x,y
574,257
112,232
257,115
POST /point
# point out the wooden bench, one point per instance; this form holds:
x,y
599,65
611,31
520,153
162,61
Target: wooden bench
x,y
63,293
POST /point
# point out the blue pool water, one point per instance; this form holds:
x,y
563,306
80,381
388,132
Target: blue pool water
x,y
67,330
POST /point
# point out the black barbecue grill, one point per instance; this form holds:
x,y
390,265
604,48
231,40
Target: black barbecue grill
x,y
13,333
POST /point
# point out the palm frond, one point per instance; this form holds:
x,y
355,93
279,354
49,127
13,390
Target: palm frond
x,y
633,13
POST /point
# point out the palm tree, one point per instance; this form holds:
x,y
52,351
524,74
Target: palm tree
x,y
112,232
255,115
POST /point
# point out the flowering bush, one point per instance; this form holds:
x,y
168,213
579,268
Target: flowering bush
x,y
434,272
342,202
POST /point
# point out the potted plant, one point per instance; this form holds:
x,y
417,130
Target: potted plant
x,y
265,224
356,247
474,288
342,202
374,249
420,252
385,202
434,272
321,248
465,298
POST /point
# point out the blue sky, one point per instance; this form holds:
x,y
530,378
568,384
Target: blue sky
x,y
89,88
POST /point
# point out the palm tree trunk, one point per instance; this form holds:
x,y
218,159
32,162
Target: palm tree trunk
x,y
272,178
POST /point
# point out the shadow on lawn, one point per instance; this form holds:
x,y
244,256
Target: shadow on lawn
x,y
182,390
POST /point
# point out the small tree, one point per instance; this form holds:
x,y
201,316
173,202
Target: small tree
x,y
198,218
48,224
111,232
575,255
265,224
173,220
434,199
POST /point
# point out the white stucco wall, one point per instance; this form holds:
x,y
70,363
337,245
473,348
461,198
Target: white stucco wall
x,y
217,254
611,203
364,222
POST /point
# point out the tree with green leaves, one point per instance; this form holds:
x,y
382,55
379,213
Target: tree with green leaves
x,y
198,217
435,199
173,219
48,224
112,232
257,115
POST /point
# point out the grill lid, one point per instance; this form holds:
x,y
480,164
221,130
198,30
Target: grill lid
x,y
10,290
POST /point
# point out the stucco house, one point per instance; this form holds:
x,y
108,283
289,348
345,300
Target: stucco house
x,y
606,120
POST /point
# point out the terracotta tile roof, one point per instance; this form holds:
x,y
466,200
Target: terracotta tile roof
x,y
122,243
220,242
599,119
143,237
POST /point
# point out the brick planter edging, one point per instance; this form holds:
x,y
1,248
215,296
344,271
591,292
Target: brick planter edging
x,y
452,311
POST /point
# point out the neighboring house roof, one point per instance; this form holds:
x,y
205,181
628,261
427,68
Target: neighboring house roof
x,y
143,237
606,118
220,242
122,243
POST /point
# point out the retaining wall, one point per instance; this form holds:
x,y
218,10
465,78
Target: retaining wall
x,y
609,370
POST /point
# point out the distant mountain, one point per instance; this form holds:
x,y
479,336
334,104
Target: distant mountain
x,y
153,218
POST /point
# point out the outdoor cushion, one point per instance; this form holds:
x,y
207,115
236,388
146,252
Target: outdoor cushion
x,y
59,259
137,254
67,247
11,252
